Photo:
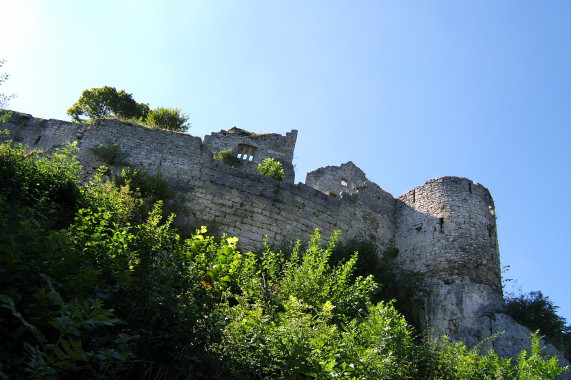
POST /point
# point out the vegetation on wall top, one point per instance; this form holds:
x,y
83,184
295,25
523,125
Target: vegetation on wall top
x,y
228,157
271,168
106,101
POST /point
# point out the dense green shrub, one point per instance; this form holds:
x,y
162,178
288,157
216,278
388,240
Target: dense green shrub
x,y
228,157
171,119
537,312
380,265
151,187
48,184
369,262
271,168
110,153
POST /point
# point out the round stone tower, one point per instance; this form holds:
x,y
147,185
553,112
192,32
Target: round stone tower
x,y
446,231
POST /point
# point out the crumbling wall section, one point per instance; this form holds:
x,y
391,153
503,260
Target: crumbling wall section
x,y
237,202
253,148
252,207
334,180
177,156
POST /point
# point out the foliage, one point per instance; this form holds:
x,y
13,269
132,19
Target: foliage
x,y
149,188
49,184
271,168
4,99
110,153
381,266
537,312
106,101
531,365
102,295
369,262
171,119
447,360
228,157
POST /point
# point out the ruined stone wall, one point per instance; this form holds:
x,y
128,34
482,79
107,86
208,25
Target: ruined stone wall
x,y
446,229
333,180
251,207
177,156
237,202
262,146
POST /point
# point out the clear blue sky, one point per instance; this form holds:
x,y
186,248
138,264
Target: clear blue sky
x,y
408,90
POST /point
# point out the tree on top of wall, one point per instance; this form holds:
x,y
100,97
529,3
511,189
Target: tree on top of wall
x,y
106,101
98,103
167,118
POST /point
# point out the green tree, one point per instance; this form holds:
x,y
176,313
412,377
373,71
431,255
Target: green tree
x,y
106,101
538,312
271,168
171,119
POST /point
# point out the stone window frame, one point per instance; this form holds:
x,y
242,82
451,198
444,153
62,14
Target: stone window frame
x,y
246,152
344,182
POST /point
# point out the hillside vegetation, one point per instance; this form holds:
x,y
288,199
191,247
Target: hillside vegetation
x,y
96,283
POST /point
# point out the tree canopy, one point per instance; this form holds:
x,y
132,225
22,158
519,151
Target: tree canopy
x,y
106,101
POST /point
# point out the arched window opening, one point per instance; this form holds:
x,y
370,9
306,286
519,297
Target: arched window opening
x,y
344,182
246,152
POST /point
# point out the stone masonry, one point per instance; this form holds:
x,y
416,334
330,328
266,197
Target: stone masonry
x,y
445,230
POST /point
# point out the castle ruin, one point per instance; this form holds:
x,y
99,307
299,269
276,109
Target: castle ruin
x,y
445,230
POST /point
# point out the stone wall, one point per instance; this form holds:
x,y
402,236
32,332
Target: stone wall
x,y
253,148
446,229
238,202
334,180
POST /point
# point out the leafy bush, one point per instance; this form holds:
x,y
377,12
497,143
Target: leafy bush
x,y
537,312
110,153
151,187
369,262
171,119
48,184
381,267
271,168
228,157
